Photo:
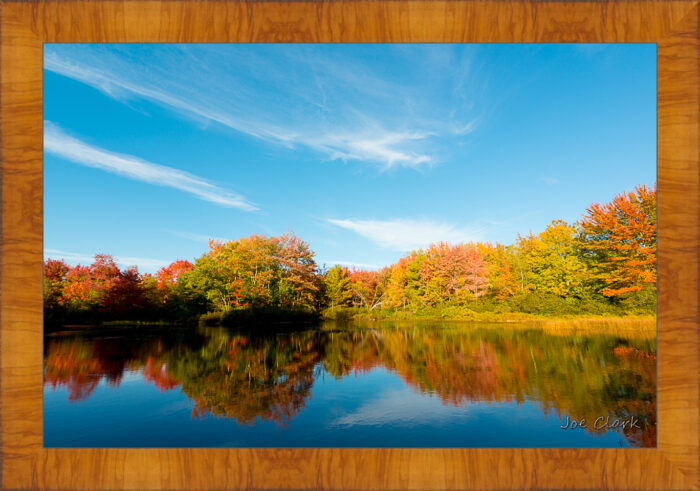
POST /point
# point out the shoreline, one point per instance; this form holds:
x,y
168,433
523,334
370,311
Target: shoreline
x,y
637,323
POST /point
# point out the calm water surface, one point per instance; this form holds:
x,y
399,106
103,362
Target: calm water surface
x,y
365,385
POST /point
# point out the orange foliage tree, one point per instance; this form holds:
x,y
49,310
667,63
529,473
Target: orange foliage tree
x,y
499,260
367,287
618,240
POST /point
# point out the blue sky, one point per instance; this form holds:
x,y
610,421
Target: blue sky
x,y
364,151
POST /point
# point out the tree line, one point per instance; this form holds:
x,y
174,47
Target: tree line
x,y
603,264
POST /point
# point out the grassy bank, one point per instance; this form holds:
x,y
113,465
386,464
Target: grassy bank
x,y
259,318
468,315
621,326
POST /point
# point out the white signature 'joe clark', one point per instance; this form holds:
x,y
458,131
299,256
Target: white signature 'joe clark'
x,y
601,422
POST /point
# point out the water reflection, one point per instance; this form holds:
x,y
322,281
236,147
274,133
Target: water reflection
x,y
252,378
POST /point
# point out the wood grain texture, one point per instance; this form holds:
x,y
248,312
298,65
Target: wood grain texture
x,y
25,26
678,118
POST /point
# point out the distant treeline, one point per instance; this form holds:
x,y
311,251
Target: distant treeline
x,y
603,264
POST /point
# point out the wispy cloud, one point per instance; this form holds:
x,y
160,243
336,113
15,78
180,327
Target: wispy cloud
x,y
143,263
403,407
466,128
58,143
407,234
380,146
196,237
341,115
351,264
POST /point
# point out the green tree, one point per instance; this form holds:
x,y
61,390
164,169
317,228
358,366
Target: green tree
x,y
552,261
337,286
256,272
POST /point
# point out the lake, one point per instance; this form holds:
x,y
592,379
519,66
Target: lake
x,y
371,384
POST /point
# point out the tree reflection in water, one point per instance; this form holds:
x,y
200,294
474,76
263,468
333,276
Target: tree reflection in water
x,y
229,374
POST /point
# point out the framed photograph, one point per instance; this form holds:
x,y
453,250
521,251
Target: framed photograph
x,y
349,245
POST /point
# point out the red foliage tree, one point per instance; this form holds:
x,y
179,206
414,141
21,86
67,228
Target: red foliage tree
x,y
55,270
453,272
167,276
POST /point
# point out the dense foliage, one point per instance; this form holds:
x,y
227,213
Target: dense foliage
x,y
603,264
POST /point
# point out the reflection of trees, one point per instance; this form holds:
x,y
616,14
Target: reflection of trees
x,y
80,362
75,365
245,377
269,377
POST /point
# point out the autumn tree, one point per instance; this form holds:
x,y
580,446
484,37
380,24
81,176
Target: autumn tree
x,y
167,275
299,280
452,273
552,262
80,289
501,264
54,273
123,294
337,286
154,296
618,242
257,272
367,287
232,274
403,282
396,292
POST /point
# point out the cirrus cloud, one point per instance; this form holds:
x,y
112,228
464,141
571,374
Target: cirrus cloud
x,y
407,234
58,143
336,108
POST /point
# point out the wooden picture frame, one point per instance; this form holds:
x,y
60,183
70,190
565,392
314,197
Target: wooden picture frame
x,y
25,26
